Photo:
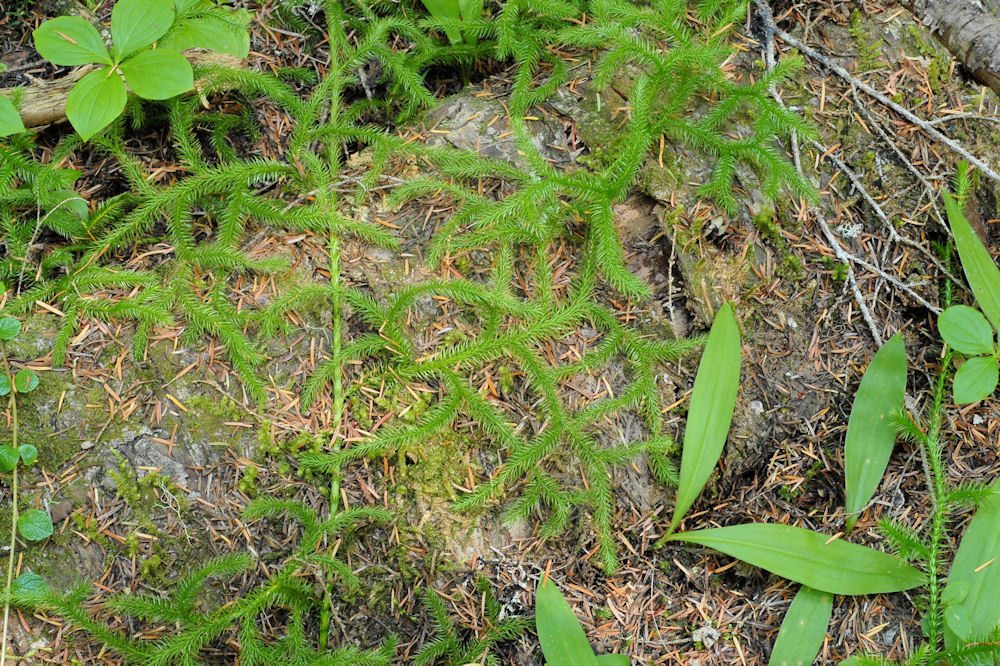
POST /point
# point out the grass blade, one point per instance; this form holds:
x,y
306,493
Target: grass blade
x,y
712,403
559,632
871,433
975,574
810,558
803,629
980,271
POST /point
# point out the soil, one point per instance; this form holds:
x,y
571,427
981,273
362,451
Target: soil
x,y
144,465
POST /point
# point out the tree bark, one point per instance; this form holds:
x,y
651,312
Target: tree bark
x,y
970,30
45,103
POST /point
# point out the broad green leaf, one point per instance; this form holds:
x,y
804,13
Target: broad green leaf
x,y
448,9
980,271
70,40
966,330
870,430
976,379
29,583
8,458
559,632
10,328
4,385
10,119
135,24
471,10
158,74
958,622
613,660
95,101
810,558
976,573
711,412
207,33
71,201
34,525
28,453
803,629
183,5
25,381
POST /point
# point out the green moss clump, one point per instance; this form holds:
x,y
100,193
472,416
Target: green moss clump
x,y
869,53
766,222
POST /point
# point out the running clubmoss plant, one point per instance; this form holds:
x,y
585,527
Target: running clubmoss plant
x,y
33,524
291,587
447,645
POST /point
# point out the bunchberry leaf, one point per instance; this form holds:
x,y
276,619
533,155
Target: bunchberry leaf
x,y
980,271
34,525
25,381
711,413
29,583
559,632
10,119
135,24
803,629
158,74
95,101
871,433
817,560
28,453
975,379
9,458
966,330
207,33
10,328
975,574
70,40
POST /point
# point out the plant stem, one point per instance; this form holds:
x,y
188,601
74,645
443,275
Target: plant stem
x,y
13,515
338,378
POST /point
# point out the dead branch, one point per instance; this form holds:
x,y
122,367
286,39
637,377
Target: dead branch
x,y
969,30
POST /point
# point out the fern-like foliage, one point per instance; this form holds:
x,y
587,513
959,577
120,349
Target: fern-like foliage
x,y
447,646
197,627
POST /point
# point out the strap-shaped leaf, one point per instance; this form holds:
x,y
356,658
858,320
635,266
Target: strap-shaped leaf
x,y
975,574
135,24
69,40
803,629
807,557
976,379
559,632
966,330
613,660
10,119
711,413
980,271
870,431
447,9
158,74
95,101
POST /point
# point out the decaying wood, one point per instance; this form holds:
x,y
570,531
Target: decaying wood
x,y
970,30
45,103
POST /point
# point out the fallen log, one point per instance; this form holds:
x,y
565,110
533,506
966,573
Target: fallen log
x,y
45,103
969,30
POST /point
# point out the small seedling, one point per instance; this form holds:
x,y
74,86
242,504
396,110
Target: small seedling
x,y
33,524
